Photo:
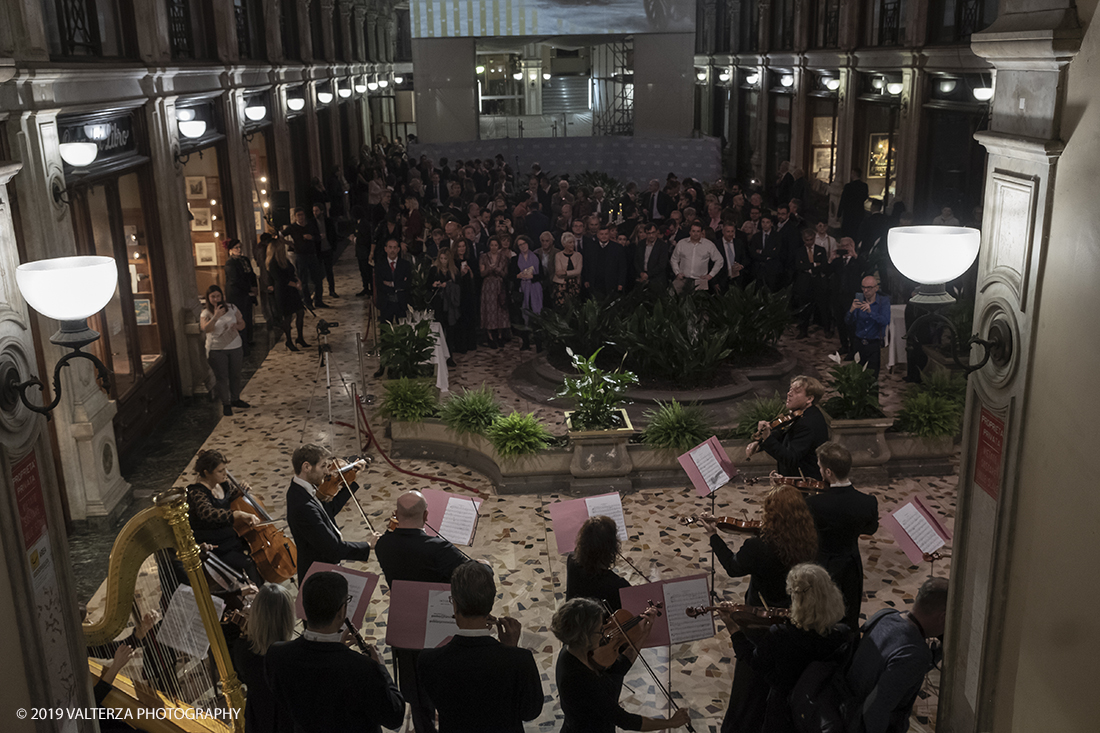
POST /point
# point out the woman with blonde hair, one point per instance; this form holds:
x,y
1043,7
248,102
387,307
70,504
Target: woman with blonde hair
x,y
780,656
285,291
270,621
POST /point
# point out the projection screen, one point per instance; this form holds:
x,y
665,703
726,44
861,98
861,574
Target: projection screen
x,y
487,18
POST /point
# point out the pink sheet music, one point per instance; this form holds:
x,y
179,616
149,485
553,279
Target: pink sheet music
x,y
902,537
407,622
356,579
437,507
692,470
566,517
636,599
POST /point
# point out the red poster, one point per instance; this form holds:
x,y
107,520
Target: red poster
x,y
28,497
987,462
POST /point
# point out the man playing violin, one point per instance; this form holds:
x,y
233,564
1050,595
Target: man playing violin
x,y
793,445
313,522
477,682
841,514
410,553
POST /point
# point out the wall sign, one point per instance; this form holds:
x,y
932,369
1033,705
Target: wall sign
x,y
113,135
989,456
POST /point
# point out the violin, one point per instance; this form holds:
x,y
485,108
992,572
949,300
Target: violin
x,y
391,525
744,616
758,436
341,474
230,585
728,524
623,631
807,485
275,554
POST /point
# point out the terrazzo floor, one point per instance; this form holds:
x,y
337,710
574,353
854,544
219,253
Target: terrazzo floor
x,y
289,399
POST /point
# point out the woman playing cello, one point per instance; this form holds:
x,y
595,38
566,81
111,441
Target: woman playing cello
x,y
212,519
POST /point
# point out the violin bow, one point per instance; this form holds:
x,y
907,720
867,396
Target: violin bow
x,y
638,652
437,534
355,499
628,562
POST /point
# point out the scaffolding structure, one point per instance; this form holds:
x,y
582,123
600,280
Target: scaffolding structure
x,y
613,88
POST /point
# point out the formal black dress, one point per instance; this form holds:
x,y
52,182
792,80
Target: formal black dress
x,y
261,709
841,514
479,685
602,586
590,699
794,447
313,525
325,687
212,523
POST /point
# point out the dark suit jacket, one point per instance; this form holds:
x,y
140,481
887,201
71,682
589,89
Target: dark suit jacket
x,y
536,223
479,685
605,268
850,208
665,204
794,448
325,687
722,280
657,269
314,529
393,299
411,554
841,514
769,262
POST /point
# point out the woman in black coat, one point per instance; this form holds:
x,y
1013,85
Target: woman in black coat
x,y
240,286
285,289
469,313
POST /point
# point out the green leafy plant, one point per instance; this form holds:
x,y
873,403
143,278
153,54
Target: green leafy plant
x,y
405,348
928,415
676,427
755,410
597,394
943,383
408,400
420,293
613,188
583,326
856,389
753,316
672,339
471,411
517,434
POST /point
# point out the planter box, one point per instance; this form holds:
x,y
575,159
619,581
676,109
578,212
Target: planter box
x,y
601,459
866,439
905,446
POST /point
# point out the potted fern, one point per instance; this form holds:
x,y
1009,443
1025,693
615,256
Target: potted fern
x,y
930,417
857,421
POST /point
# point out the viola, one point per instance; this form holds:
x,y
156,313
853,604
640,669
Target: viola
x,y
744,616
275,554
230,585
758,436
728,524
621,632
339,475
807,485
391,525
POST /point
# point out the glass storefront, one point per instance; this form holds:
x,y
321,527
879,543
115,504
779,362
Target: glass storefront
x,y
822,138
876,147
261,166
203,188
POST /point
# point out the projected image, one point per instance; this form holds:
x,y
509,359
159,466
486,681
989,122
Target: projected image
x,y
486,18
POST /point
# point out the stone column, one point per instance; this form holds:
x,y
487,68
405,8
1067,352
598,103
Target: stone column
x,y
845,137
908,141
531,68
83,420
760,133
329,51
1025,468
273,37
45,660
359,18
803,83
284,163
305,37
240,166
346,31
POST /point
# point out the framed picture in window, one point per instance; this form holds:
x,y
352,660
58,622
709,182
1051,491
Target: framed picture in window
x,y
201,221
143,311
206,254
196,186
880,156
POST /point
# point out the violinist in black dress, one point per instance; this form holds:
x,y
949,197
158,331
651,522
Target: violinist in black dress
x,y
588,569
793,445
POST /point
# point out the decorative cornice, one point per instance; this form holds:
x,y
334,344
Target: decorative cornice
x,y
1019,146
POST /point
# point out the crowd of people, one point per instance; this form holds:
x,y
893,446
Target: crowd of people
x,y
486,247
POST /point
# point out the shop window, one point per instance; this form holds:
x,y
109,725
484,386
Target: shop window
x,y
782,25
403,51
190,30
250,29
136,239
89,28
288,29
203,189
825,25
823,140
262,180
954,21
889,23
114,344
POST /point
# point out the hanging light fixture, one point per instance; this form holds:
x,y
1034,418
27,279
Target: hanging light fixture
x,y
399,80
894,88
97,131
360,87
344,92
185,114
724,76
832,84
878,82
372,85
295,104
479,69
192,128
255,112
383,82
983,94
78,155
324,97
947,86
752,78
787,80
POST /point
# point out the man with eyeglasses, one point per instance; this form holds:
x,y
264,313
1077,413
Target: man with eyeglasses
x,y
869,315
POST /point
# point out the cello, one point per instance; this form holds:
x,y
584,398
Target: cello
x,y
275,554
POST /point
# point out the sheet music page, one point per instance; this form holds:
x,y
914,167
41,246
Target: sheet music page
x,y
919,529
679,596
357,585
608,506
441,623
459,520
708,465
182,627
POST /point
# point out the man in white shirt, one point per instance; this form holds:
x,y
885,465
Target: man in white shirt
x,y
946,218
695,259
824,240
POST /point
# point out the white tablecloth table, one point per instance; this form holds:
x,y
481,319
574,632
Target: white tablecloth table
x,y
895,337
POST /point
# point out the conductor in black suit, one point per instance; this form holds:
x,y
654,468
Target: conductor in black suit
x,y
312,521
319,684
651,259
409,553
841,514
476,682
794,444
392,283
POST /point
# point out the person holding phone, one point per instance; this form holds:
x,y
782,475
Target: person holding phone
x,y
869,314
222,323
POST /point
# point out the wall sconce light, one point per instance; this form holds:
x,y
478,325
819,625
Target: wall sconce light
x,y
360,88
97,132
878,83
255,112
295,104
479,69
983,94
752,78
383,82
344,92
724,76
372,85
947,86
787,80
185,114
546,76
324,97
701,75
832,84
518,75
398,80
70,290
933,256
894,88
78,155
192,128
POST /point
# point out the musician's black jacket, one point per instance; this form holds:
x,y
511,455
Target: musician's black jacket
x,y
794,447
313,525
